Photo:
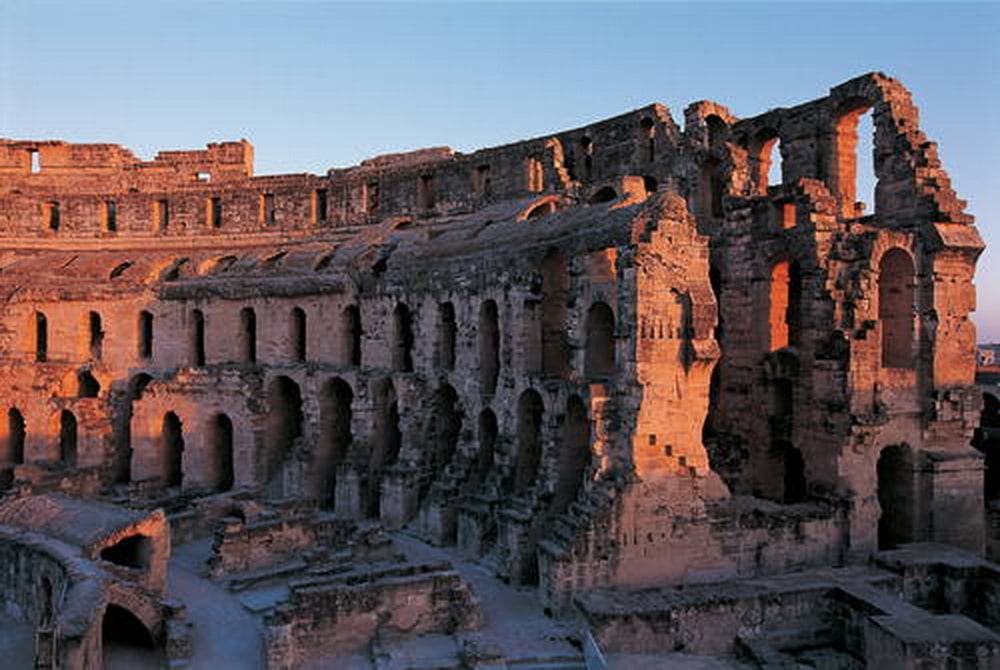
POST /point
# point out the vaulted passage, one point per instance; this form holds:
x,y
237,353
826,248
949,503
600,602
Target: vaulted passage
x,y
483,462
896,310
402,339
555,290
283,426
387,442
220,453
67,438
574,455
133,551
529,442
599,358
172,450
489,347
334,438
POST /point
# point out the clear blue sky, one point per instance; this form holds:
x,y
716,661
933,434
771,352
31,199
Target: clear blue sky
x,y
315,85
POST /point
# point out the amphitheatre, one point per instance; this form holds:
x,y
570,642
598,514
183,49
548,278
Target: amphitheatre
x,y
613,397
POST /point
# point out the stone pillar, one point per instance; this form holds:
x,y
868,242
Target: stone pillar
x,y
347,503
399,497
953,485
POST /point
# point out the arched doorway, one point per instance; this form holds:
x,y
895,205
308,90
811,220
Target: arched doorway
x,y
220,444
387,443
172,450
67,438
599,358
574,455
529,442
126,643
896,495
442,435
283,424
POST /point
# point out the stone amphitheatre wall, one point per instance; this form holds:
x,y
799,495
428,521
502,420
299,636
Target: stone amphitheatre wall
x,y
567,355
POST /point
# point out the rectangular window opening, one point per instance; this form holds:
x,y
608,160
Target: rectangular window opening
x,y
52,218
110,216
319,199
426,195
36,161
268,214
215,212
371,198
162,215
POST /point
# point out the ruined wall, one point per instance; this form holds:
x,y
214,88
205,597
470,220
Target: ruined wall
x,y
559,347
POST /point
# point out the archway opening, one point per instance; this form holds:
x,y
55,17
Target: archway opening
x,y
530,411
335,438
13,453
172,450
599,358
896,495
443,432
197,345
95,335
134,551
854,161
298,334
574,455
387,443
67,438
446,336
283,425
555,293
489,347
402,339
126,642
351,336
248,335
220,441
480,469
896,310
605,194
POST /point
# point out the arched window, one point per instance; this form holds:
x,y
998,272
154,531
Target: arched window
x,y
248,335
896,310
444,428
489,347
402,339
41,337
220,442
555,293
599,359
171,450
145,344
446,336
197,352
711,189
95,335
765,150
67,438
298,334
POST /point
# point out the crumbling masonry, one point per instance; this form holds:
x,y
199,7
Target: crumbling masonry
x,y
616,356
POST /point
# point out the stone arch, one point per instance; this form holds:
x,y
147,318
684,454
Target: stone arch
x,y
283,424
896,308
541,207
896,495
350,333
68,436
219,440
335,415
711,190
488,335
574,457
555,294
386,444
172,450
530,413
766,160
599,357
298,334
402,338
248,335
